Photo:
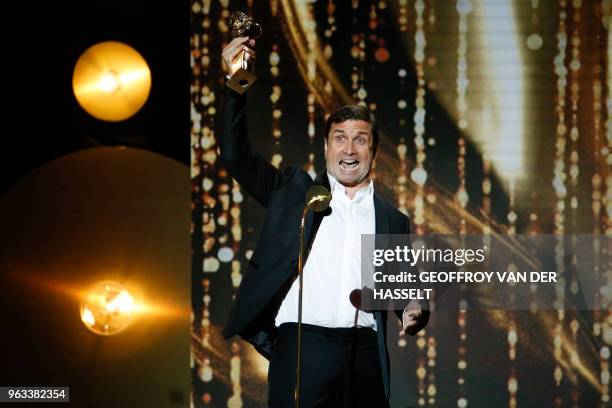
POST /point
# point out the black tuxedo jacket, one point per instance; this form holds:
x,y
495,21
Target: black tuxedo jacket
x,y
272,267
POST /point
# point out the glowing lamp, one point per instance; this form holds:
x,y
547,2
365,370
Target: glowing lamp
x,y
111,81
107,308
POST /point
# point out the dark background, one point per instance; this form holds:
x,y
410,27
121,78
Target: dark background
x,y
42,42
86,213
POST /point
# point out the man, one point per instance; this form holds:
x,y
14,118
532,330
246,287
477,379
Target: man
x,y
344,355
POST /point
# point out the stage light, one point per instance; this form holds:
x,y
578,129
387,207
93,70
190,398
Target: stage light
x,y
107,308
111,81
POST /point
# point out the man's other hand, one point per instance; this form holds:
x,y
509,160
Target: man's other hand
x,y
412,318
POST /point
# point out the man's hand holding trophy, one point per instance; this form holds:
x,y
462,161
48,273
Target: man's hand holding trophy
x,y
238,57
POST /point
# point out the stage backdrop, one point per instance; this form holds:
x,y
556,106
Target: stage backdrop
x,y
495,118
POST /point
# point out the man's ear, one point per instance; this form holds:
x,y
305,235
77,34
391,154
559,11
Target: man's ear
x,y
325,146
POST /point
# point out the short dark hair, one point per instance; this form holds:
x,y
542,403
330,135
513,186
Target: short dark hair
x,y
353,112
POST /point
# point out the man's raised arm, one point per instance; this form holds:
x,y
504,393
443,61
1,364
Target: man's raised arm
x,y
253,172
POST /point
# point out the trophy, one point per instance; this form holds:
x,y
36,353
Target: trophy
x,y
243,67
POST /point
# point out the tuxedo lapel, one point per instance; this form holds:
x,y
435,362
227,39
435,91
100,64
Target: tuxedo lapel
x,y
381,241
382,221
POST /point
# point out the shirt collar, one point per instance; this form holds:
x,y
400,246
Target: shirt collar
x,y
336,187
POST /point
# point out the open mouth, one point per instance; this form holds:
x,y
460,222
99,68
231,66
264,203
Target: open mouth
x,y
349,164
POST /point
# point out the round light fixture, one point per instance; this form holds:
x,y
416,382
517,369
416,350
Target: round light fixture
x,y
107,308
111,81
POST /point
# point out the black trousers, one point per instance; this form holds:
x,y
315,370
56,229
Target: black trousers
x,y
340,368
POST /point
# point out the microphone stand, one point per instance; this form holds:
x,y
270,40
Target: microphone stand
x,y
300,266
317,198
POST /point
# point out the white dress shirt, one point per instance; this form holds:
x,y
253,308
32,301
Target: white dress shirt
x,y
333,268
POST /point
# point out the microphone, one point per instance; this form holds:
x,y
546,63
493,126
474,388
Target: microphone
x,y
357,296
317,198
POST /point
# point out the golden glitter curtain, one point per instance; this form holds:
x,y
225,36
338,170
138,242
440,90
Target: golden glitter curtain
x,y
495,119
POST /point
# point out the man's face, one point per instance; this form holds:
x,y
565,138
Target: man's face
x,y
348,151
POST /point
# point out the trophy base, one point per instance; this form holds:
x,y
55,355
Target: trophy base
x,y
241,80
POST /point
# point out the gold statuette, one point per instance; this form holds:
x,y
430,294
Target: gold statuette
x,y
242,70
